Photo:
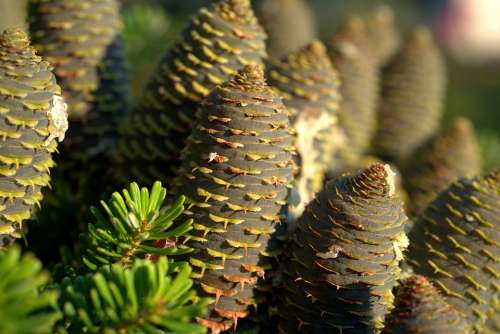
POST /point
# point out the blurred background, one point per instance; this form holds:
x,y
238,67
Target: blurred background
x,y
468,30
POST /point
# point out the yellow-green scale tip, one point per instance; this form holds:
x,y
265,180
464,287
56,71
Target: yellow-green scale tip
x,y
234,9
14,38
421,36
249,78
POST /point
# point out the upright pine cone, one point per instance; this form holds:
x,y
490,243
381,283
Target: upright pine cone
x,y
290,25
216,43
236,172
33,115
74,36
383,34
344,257
451,154
413,86
350,51
455,244
110,104
420,308
309,86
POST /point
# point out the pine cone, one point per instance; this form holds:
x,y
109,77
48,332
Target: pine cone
x,y
344,257
413,86
451,154
309,86
455,244
74,36
290,25
420,308
33,115
217,42
236,172
82,41
349,49
110,104
383,34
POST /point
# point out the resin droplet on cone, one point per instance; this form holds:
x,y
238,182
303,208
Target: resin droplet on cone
x,y
309,86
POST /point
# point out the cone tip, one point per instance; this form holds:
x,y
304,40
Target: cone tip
x,y
14,38
240,7
462,125
250,77
313,51
316,47
422,35
381,174
383,13
354,23
253,72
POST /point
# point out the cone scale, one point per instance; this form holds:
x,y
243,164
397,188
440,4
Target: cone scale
x,y
455,244
420,308
383,34
74,36
349,49
217,42
33,117
236,172
309,86
344,257
452,153
410,109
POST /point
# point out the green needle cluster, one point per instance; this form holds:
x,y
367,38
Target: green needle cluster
x,y
135,224
24,307
145,298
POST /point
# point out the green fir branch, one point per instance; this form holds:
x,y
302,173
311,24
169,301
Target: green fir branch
x,y
134,224
144,298
24,307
